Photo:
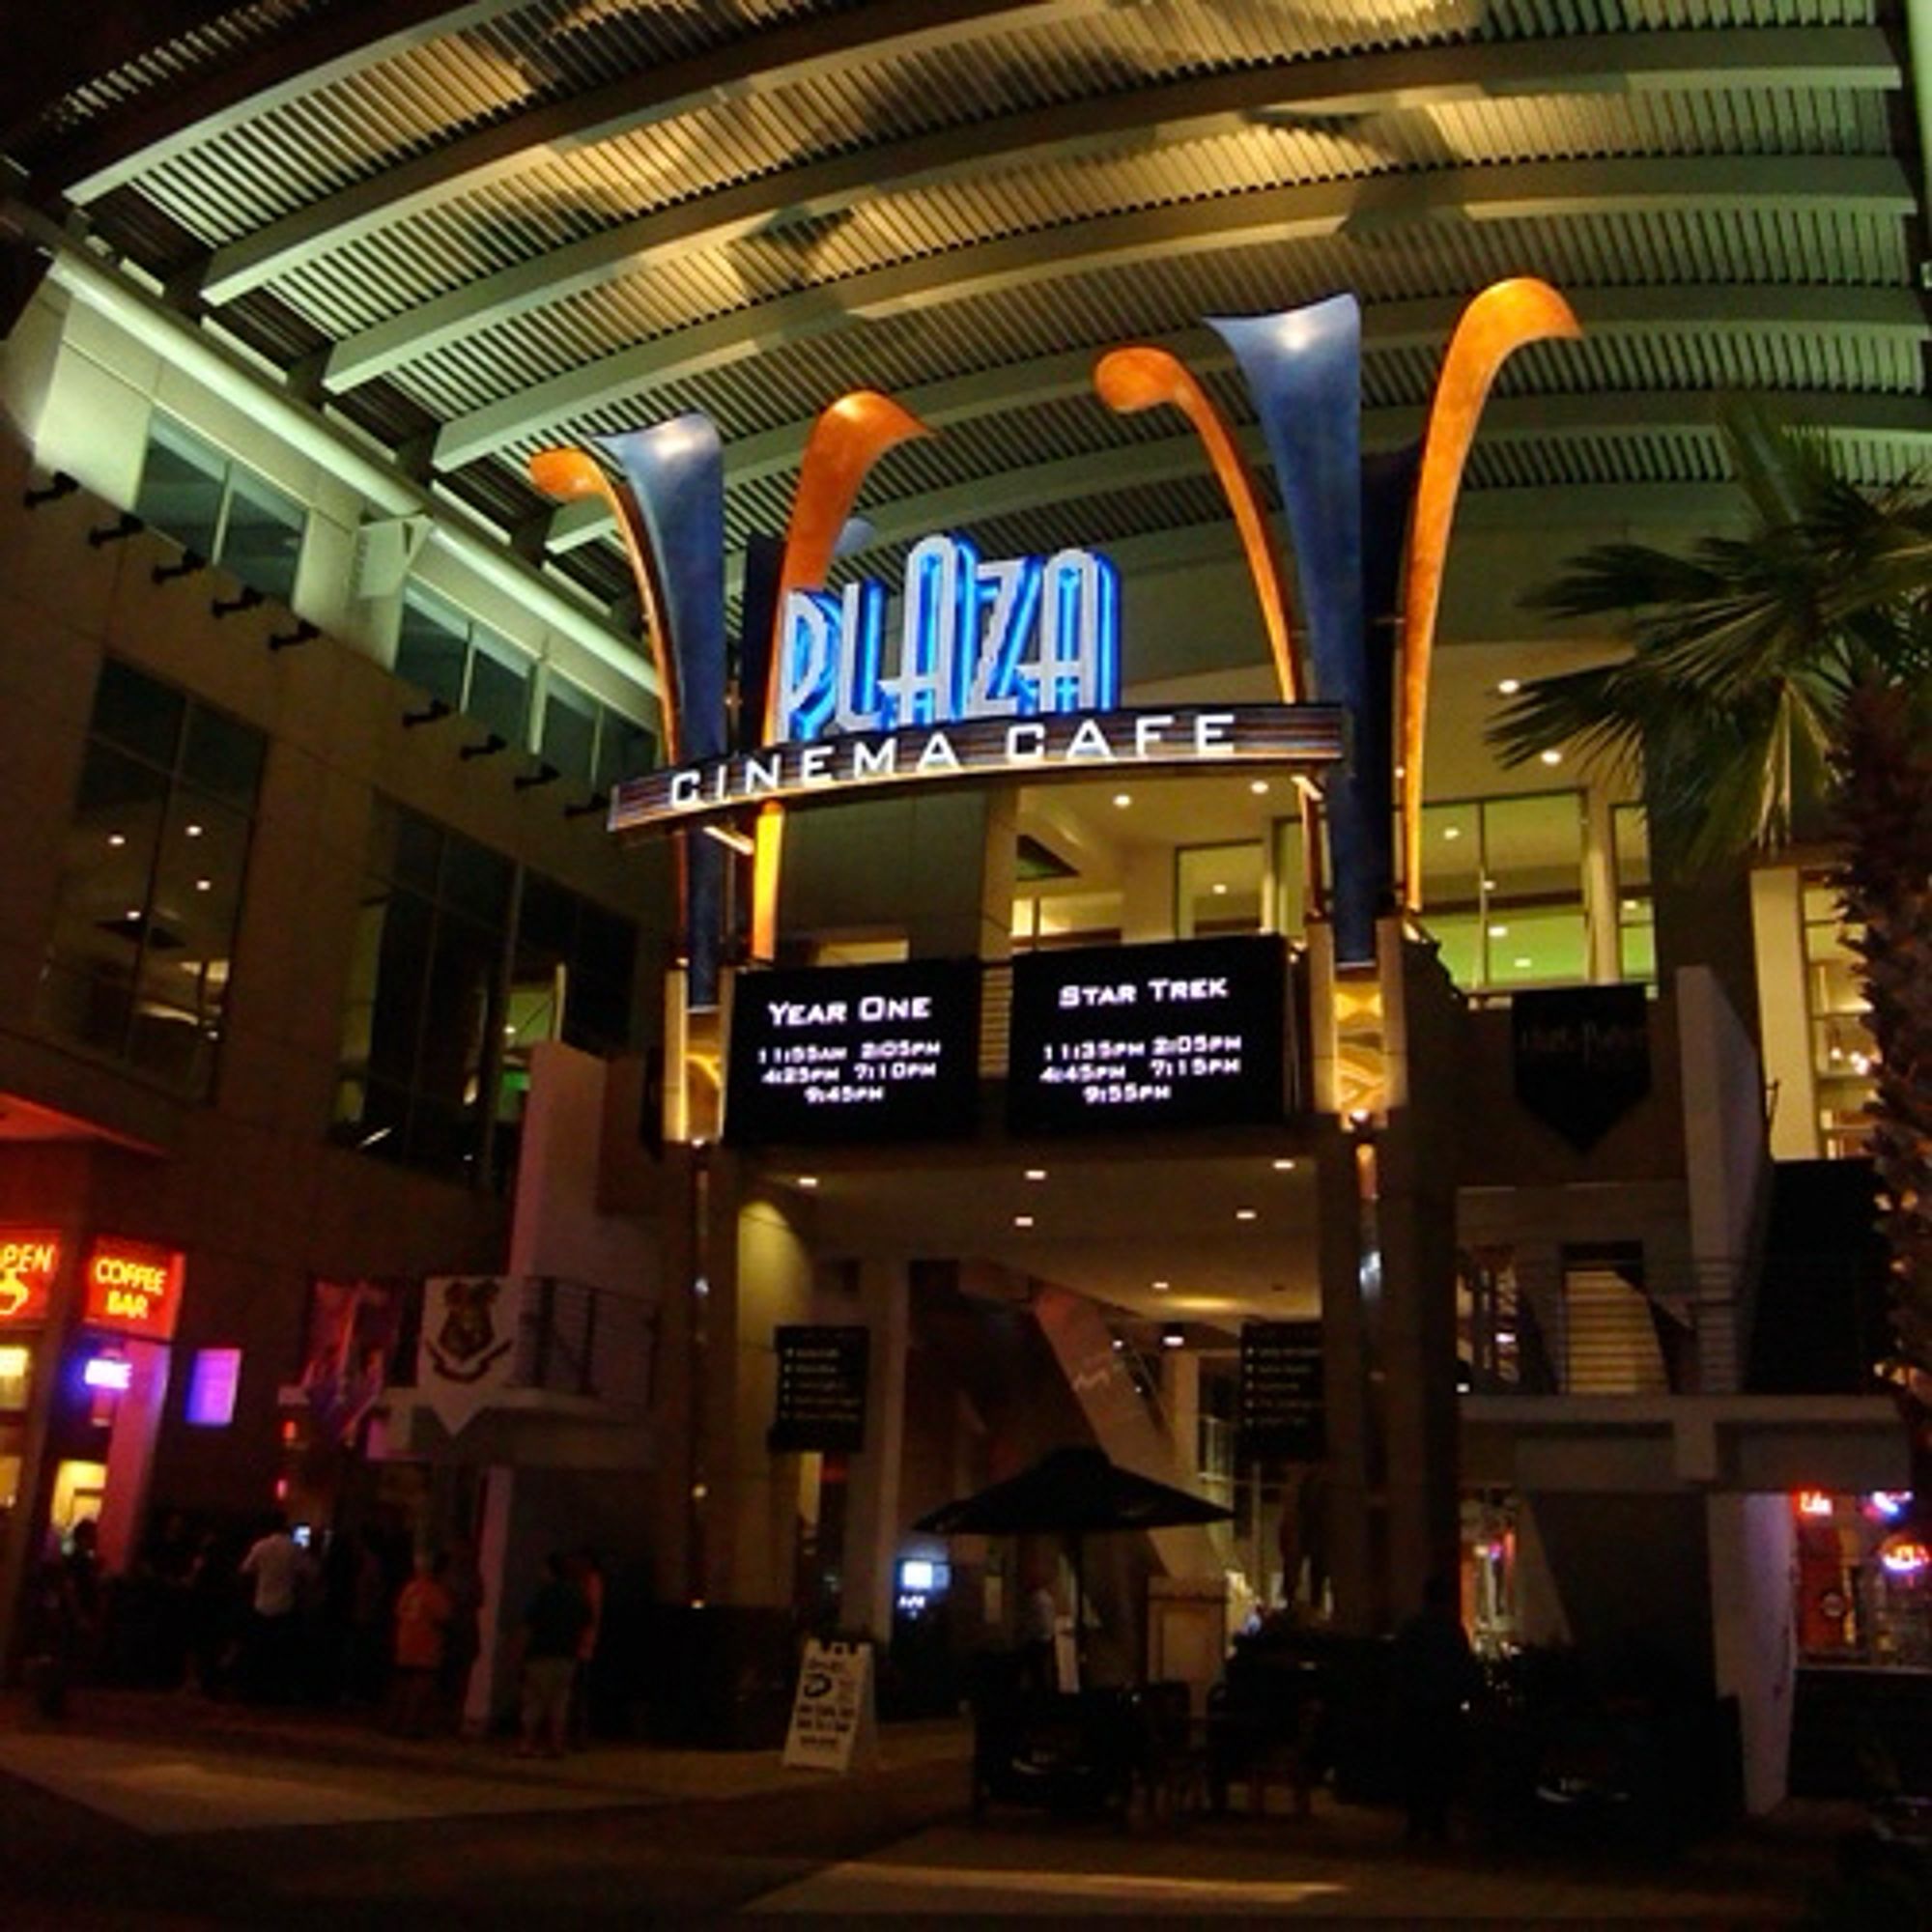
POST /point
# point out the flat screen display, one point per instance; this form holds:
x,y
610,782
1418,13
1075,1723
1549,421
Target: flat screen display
x,y
1189,1034
854,1053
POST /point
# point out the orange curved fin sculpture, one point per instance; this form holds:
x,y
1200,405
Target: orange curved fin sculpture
x,y
1500,321
1142,376
847,440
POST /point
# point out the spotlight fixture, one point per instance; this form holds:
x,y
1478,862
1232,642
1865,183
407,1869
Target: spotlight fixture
x,y
1283,1166
808,1180
1124,799
1552,756
248,598
1022,1220
305,633
1259,786
1508,687
1035,1173
1173,1337
1161,1287
1247,1213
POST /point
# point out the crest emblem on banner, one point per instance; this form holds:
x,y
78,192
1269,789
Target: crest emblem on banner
x,y
467,1348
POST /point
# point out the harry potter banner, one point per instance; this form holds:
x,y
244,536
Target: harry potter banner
x,y
469,1345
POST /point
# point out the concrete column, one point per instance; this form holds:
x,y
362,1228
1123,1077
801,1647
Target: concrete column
x,y
1352,1529
491,1681
752,1492
872,1477
1180,1405
1752,1641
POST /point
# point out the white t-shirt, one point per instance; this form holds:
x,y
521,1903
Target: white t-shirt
x,y
276,1564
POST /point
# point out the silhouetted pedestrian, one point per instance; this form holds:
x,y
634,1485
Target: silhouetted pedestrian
x,y
1435,1679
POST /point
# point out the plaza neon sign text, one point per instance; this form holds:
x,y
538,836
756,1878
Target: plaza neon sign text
x,y
1019,638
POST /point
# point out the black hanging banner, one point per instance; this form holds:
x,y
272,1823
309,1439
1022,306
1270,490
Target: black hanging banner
x,y
821,1392
1282,1416
1582,1058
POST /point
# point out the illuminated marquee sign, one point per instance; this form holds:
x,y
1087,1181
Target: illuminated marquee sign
x,y
1014,639
1189,1034
852,1053
1067,745
29,1260
133,1288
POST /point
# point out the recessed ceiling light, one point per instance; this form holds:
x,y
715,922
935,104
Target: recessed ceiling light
x,y
132,912
203,885
1552,756
1022,1220
1284,1166
1523,959
1452,832
1509,686
1220,886
1259,786
1488,885
1161,1287
117,838
808,1180
1124,799
192,831
1247,1213
1631,905
1499,933
1173,1338
1035,1173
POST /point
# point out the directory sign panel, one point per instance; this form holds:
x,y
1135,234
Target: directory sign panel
x,y
1189,1034
854,1053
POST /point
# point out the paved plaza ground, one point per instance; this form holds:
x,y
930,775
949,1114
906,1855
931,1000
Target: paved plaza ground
x,y
159,1810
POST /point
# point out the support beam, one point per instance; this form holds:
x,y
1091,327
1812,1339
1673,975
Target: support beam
x,y
1894,315
754,65
1538,190
1187,109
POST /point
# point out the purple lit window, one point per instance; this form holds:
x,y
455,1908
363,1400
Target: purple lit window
x,y
212,1386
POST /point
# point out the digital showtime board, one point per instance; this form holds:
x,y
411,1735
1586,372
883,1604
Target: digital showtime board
x,y
1181,1035
854,1053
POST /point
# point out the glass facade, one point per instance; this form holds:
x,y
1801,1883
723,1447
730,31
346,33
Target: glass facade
x,y
151,887
465,665
1843,1051
221,511
457,973
1503,889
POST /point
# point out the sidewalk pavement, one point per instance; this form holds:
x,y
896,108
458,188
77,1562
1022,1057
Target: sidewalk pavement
x,y
227,1802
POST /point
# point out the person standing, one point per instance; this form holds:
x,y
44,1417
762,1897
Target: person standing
x,y
269,1656
1435,1680
424,1608
553,1627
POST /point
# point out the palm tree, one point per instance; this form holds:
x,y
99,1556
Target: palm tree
x,y
1776,680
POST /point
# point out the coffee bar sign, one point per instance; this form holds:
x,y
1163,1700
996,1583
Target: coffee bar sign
x,y
1008,669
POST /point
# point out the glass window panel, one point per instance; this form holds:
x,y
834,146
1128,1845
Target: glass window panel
x,y
432,648
1458,941
1629,836
169,1042
625,750
1537,949
1078,919
607,945
1452,859
1218,889
569,731
181,488
499,692
261,542
417,851
395,1006
196,905
1637,949
475,881
224,756
546,919
138,714
1533,847
458,1014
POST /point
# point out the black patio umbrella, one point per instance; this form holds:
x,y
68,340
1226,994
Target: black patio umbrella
x,y
1075,1491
